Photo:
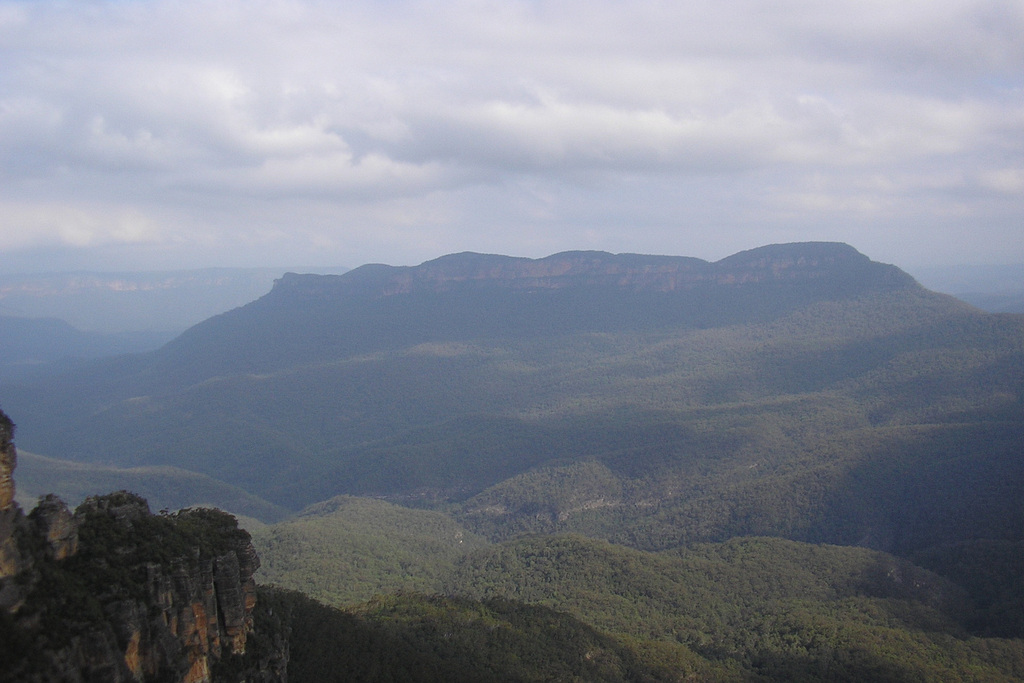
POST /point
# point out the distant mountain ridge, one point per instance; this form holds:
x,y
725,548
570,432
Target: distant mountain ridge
x,y
46,344
315,318
996,288
637,272
120,302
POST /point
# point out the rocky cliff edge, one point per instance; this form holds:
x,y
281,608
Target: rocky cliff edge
x,y
779,263
115,593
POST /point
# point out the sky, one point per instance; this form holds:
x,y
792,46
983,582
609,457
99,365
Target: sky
x,y
159,134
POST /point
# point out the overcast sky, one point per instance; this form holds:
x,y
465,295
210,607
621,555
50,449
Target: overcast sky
x,y
148,134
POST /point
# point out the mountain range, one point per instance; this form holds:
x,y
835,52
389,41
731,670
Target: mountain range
x,y
50,320
994,288
474,424
165,302
439,381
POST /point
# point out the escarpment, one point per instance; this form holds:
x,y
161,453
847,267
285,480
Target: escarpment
x,y
115,593
781,263
12,560
308,319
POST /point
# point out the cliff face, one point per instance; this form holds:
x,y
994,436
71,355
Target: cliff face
x,y
12,561
633,272
8,461
115,593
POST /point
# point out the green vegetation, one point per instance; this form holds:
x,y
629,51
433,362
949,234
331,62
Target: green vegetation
x,y
170,488
779,609
118,537
347,550
420,638
540,607
836,387
86,597
992,573
765,608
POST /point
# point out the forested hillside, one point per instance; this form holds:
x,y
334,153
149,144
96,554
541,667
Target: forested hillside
x,y
45,345
566,607
792,463
796,390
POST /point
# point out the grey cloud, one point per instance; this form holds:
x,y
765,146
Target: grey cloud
x,y
365,129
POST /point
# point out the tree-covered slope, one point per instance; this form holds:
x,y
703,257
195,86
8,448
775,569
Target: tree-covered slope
x,y
33,346
346,550
776,609
793,390
420,638
165,487
571,608
308,318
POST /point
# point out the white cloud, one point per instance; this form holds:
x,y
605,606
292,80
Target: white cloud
x,y
414,127
1006,180
55,223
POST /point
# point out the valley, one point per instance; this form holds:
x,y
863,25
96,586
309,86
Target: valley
x,y
792,464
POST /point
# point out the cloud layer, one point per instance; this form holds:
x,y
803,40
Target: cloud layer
x,y
151,133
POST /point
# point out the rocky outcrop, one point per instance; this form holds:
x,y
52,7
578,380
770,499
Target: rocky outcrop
x,y
8,461
115,593
53,522
13,560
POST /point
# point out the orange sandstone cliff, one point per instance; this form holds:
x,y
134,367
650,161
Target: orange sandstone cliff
x,y
115,593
